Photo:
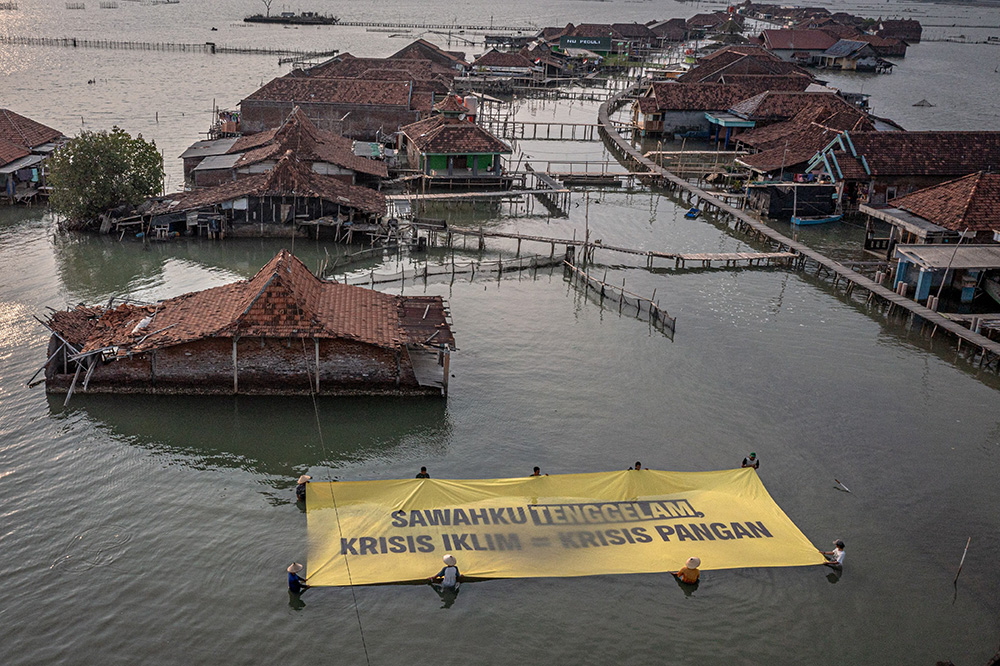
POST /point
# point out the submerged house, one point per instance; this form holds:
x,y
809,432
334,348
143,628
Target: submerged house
x,y
854,55
24,146
209,163
279,202
284,331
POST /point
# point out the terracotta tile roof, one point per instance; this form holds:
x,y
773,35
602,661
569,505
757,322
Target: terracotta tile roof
x,y
794,149
634,31
451,136
308,143
359,92
929,153
288,177
494,58
731,53
347,66
11,151
674,96
800,40
595,30
554,33
283,300
732,63
672,30
764,82
814,118
25,132
707,21
424,50
971,202
782,105
451,104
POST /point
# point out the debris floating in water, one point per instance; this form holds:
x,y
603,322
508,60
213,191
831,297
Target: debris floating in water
x,y
923,102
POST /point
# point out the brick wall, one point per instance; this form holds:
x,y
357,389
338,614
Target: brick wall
x,y
268,365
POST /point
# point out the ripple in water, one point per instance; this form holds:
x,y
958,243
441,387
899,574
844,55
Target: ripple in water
x,y
93,548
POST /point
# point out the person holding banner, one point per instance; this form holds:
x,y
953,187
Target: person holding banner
x,y
300,489
538,472
296,583
751,461
423,474
637,468
449,575
836,555
689,573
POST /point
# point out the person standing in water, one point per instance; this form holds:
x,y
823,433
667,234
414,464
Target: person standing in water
x,y
296,583
449,576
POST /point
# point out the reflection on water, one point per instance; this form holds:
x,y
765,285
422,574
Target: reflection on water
x,y
274,436
95,267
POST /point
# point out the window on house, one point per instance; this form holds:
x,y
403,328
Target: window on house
x,y
890,193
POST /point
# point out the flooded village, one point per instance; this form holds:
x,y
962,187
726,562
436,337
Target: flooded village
x,y
553,240
358,150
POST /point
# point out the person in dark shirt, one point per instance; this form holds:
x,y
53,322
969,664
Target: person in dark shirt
x,y
751,461
300,490
423,474
296,583
638,466
538,472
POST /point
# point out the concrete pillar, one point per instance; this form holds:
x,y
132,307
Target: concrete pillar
x,y
901,269
923,284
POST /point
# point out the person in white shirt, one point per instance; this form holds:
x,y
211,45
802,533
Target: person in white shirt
x,y
835,557
449,576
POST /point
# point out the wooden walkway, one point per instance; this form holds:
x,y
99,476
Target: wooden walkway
x,y
494,194
680,259
990,350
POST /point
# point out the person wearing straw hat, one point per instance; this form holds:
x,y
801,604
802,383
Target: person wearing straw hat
x,y
449,575
296,583
751,461
689,572
300,489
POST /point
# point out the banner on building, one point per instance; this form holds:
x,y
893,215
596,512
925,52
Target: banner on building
x,y
643,521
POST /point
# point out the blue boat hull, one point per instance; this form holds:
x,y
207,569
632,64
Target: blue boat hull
x,y
802,221
693,213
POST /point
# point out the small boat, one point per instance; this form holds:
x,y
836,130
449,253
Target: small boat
x,y
693,213
801,220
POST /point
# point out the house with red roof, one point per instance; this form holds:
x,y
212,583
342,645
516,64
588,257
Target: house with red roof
x,y
209,163
284,331
798,46
24,146
496,63
449,148
289,199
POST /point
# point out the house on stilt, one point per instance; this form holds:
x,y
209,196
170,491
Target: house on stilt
x,y
284,331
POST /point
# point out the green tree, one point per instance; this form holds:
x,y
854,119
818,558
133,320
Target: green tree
x,y
98,171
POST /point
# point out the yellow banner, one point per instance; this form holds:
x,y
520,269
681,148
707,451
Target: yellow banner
x,y
643,521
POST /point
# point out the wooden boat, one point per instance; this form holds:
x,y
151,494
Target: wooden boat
x,y
801,220
693,213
